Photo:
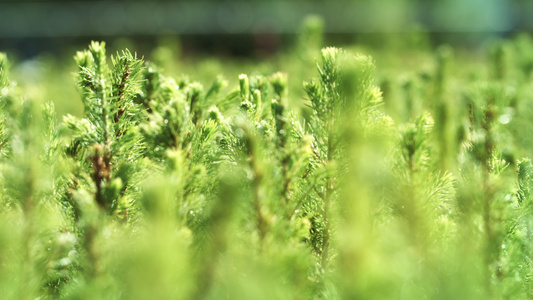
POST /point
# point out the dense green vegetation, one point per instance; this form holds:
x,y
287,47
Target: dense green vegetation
x,y
331,179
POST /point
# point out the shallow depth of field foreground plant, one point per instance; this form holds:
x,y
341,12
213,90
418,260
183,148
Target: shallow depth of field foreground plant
x,y
403,187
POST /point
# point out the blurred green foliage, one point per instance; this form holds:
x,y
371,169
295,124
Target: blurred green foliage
x,y
321,173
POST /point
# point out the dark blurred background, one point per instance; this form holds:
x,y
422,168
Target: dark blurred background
x,y
246,28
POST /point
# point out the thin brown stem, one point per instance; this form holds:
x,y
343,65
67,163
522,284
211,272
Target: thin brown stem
x,y
330,187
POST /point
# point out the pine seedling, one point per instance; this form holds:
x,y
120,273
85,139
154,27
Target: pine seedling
x,y
324,98
194,94
63,262
5,237
214,100
519,240
29,189
105,149
274,154
167,123
244,88
183,131
5,101
279,83
215,89
486,157
362,134
3,70
106,141
422,195
500,56
344,94
525,179
251,148
177,112
156,258
292,145
252,92
258,142
444,110
326,101
217,224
